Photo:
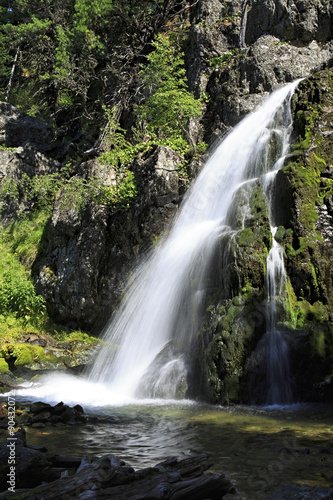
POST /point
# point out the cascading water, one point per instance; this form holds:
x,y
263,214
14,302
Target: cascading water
x,y
279,389
277,360
147,344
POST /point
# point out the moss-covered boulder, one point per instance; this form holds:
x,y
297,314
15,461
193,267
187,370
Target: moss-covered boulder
x,y
3,366
235,317
229,334
21,358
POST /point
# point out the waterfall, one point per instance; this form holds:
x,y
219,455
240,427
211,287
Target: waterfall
x,y
279,389
147,345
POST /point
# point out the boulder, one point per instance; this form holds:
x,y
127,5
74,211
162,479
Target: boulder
x,y
16,165
18,128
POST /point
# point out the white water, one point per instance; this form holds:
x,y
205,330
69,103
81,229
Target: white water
x,y
162,306
149,341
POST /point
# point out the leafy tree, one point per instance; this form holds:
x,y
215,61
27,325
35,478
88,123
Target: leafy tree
x,y
76,55
169,105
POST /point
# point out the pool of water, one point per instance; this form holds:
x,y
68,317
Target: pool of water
x,y
257,448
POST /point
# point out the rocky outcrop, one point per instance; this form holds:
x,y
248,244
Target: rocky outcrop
x,y
284,41
298,22
19,166
304,187
90,254
18,128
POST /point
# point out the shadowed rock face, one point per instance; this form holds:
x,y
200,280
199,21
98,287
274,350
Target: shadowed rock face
x,y
89,255
18,128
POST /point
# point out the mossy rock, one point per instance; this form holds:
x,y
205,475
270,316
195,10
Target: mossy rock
x,y
3,366
230,331
304,191
21,354
25,355
321,342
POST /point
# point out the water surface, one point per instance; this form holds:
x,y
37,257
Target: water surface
x,y
258,448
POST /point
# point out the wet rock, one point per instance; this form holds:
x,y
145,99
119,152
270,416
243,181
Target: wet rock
x,y
39,407
31,466
41,414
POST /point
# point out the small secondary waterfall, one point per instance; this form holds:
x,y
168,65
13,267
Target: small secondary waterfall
x,y
279,390
147,343
277,361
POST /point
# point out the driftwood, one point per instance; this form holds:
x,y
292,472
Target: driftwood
x,y
109,478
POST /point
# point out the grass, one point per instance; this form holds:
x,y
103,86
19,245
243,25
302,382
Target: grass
x,y
22,310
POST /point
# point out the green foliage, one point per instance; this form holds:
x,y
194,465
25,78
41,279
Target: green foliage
x,y
24,237
169,105
121,194
66,50
37,191
223,60
22,310
17,292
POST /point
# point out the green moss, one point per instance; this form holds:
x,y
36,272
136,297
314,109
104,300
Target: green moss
x,y
321,342
318,343
79,336
246,237
231,328
3,366
308,187
306,313
22,354
18,355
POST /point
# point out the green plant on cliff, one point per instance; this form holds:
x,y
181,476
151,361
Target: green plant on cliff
x,y
162,120
168,105
26,237
223,60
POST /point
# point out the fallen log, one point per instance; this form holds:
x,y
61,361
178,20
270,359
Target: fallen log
x,y
108,477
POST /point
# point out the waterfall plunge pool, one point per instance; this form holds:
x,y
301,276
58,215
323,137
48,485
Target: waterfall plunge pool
x,y
259,448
